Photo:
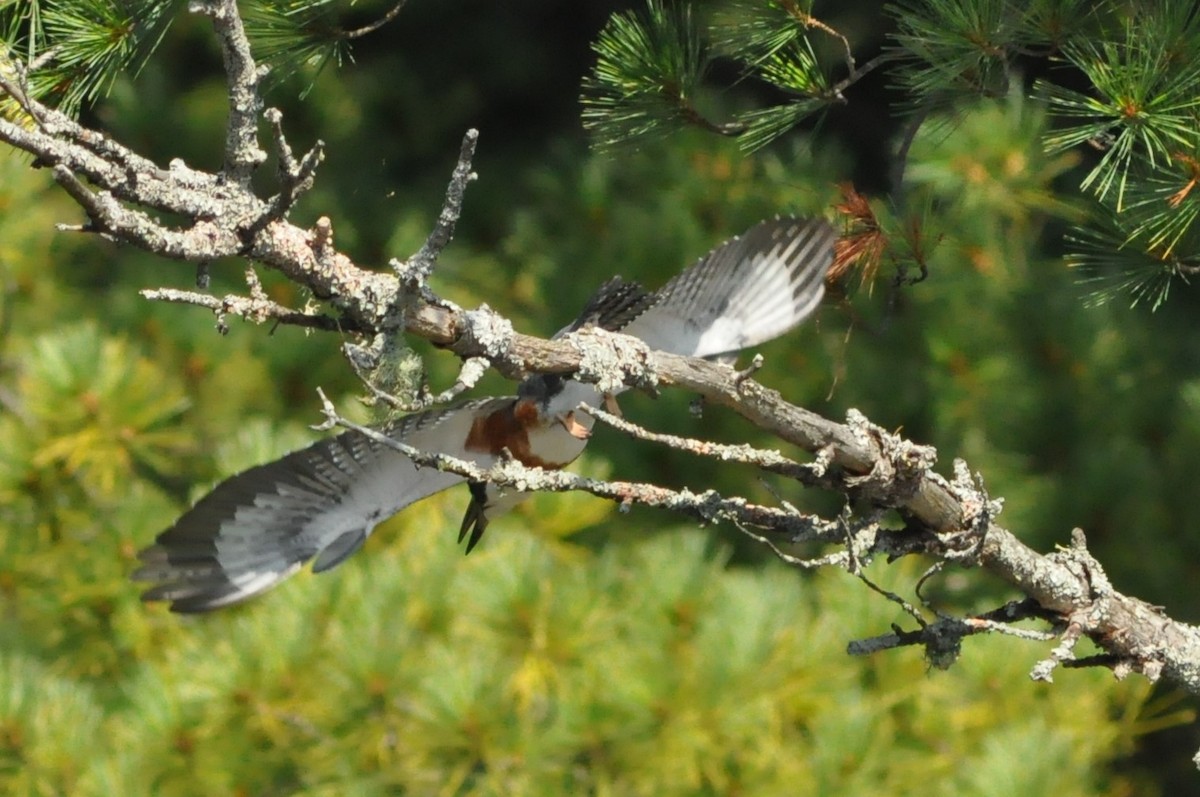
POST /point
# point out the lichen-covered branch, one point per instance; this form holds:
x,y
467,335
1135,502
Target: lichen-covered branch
x,y
420,265
243,155
707,506
880,473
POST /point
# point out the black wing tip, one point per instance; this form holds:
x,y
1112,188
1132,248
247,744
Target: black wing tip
x,y
615,304
191,597
195,584
475,519
475,522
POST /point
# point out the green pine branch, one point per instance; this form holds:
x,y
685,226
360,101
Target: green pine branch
x,y
296,37
84,45
1144,104
648,70
956,49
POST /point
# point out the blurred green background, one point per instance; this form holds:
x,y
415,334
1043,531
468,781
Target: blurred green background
x,y
577,652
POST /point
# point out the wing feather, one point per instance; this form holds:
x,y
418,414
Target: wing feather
x,y
745,292
260,526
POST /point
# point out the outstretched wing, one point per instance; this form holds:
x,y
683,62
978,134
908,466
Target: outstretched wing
x,y
258,527
745,292
613,306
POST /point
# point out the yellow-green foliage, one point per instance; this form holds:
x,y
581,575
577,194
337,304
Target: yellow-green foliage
x,y
647,669
641,665
532,667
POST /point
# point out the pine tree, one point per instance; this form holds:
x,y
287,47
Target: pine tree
x,y
540,665
1119,79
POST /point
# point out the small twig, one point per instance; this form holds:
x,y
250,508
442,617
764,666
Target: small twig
x,y
295,177
420,266
809,21
859,72
835,559
19,90
257,295
932,571
769,461
96,209
750,370
322,243
692,115
469,374
1065,651
909,609
391,14
255,310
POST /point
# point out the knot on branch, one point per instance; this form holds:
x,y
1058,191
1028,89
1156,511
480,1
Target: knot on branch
x,y
898,468
611,361
1090,607
321,241
484,332
978,511
510,473
1091,584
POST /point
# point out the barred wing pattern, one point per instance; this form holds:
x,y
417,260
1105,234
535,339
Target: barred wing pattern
x,y
321,503
745,292
258,527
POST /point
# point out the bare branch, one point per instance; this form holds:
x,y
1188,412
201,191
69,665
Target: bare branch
x,y
257,310
420,266
391,14
295,177
242,153
942,639
769,461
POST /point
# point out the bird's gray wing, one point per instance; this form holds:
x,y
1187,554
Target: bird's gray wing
x,y
613,306
260,526
745,292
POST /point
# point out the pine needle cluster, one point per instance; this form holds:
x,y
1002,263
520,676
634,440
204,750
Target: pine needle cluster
x,y
1121,81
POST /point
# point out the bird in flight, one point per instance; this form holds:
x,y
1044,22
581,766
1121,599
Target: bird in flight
x,y
320,503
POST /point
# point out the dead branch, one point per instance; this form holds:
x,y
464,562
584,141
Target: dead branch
x,y
951,521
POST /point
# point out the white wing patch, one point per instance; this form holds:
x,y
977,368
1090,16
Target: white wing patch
x,y
746,291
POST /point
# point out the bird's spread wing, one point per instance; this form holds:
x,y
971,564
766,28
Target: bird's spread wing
x,y
320,503
613,306
260,526
745,292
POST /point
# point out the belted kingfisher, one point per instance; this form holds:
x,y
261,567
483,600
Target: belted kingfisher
x,y
320,503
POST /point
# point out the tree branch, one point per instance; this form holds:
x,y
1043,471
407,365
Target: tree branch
x,y
242,152
948,520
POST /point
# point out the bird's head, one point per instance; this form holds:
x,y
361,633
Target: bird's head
x,y
541,388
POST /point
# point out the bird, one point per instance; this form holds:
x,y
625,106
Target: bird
x,y
319,504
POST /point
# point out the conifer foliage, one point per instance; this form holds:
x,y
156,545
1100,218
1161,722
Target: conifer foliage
x,y
1119,79
661,660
